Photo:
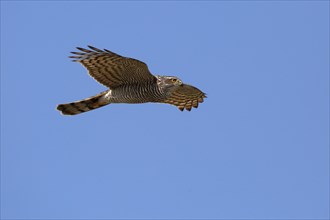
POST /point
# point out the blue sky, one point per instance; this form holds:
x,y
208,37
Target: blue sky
x,y
257,148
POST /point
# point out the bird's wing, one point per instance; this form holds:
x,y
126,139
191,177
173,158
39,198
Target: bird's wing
x,y
111,69
185,97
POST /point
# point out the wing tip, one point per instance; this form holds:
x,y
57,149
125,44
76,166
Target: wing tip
x,y
95,49
75,58
181,108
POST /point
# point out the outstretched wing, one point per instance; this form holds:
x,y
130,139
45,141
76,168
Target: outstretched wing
x,y
185,97
111,69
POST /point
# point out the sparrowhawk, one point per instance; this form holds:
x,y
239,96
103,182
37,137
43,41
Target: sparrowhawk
x,y
129,81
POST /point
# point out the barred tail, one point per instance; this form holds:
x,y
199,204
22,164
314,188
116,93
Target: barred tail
x,y
84,105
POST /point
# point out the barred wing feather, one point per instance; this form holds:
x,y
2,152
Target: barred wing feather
x,y
185,97
111,69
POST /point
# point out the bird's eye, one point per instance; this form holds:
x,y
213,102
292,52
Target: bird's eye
x,y
174,80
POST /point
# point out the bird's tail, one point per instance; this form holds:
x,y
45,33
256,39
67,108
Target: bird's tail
x,y
84,105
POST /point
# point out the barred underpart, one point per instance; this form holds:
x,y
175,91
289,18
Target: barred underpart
x,y
129,81
136,93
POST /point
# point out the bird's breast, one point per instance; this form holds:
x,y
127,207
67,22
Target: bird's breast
x,y
135,93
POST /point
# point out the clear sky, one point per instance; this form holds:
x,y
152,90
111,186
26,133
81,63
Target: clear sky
x,y
258,147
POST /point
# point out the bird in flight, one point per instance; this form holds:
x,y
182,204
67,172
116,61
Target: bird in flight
x,y
129,81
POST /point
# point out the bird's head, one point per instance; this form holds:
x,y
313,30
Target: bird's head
x,y
168,82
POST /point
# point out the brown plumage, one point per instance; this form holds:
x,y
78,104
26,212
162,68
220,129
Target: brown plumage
x,y
129,81
84,105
